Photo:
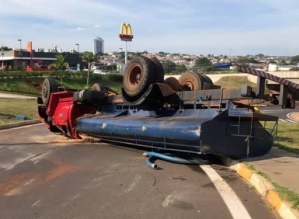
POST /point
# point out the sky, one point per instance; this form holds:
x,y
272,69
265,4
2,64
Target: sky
x,y
220,27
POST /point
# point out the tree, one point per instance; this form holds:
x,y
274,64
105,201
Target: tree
x,y
5,48
180,68
162,54
168,66
295,59
88,57
60,64
203,64
245,61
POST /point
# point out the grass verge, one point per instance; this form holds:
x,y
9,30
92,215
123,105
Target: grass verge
x,y
283,192
9,108
234,82
33,85
287,136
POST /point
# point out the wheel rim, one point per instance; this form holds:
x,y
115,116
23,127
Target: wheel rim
x,y
189,84
134,76
45,91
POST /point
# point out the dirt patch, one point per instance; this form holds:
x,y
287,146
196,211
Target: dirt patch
x,y
59,170
13,182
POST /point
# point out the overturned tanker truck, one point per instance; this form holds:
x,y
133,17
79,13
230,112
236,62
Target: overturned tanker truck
x,y
189,115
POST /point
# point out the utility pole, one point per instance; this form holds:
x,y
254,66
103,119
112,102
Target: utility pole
x,y
78,65
21,53
2,56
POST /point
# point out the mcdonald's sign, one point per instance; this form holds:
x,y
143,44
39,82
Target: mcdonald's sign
x,y
125,32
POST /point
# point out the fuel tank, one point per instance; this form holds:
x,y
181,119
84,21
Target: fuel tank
x,y
200,131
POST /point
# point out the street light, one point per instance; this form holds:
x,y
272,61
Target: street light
x,y
21,52
121,50
77,44
78,65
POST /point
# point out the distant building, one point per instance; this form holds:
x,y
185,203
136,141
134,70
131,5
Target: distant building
x,y
29,59
98,46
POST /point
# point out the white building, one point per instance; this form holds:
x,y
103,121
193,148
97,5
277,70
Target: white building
x,y
98,45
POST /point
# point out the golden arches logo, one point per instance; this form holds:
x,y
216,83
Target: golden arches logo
x,y
125,32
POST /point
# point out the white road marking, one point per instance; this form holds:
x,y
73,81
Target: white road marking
x,y
290,120
289,116
282,120
22,127
230,198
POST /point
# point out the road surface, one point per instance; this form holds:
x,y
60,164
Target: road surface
x,y
283,114
43,175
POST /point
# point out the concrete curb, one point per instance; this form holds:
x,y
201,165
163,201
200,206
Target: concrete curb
x,y
18,124
263,187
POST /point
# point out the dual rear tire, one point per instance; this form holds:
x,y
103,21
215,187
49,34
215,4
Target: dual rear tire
x,y
140,73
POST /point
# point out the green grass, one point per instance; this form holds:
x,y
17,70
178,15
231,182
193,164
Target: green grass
x,y
234,82
283,192
18,85
9,108
288,138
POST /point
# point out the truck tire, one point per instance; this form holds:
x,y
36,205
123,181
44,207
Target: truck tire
x,y
174,84
93,96
49,86
98,87
208,79
138,76
159,71
191,80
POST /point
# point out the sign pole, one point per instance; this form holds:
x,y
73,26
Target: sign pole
x,y
126,34
126,54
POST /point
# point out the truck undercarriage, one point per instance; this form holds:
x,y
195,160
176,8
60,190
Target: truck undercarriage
x,y
185,116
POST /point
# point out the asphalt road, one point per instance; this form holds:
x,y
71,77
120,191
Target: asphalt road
x,y
281,113
43,175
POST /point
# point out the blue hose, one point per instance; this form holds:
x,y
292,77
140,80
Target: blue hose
x,y
167,158
150,164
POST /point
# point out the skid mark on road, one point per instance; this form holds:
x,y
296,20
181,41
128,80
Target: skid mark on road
x,y
37,203
8,165
229,197
133,184
175,200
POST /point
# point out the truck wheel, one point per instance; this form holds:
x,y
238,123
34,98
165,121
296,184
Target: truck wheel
x,y
49,86
191,80
159,71
174,84
208,79
93,96
98,87
139,75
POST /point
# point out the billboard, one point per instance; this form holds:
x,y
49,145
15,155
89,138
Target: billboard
x,y
125,33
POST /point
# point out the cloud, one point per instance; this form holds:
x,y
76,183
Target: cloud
x,y
80,28
96,26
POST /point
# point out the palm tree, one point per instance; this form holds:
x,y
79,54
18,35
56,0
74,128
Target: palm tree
x,y
88,57
60,63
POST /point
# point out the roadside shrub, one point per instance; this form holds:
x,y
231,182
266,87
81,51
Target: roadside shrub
x,y
115,77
